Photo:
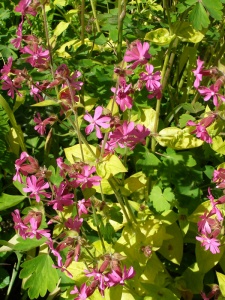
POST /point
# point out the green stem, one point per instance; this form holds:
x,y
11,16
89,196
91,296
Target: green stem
x,y
165,76
14,274
96,223
121,16
129,209
82,21
93,7
47,39
119,199
165,4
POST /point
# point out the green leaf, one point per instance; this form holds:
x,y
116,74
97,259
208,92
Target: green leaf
x,y
187,33
177,138
40,276
62,26
193,278
158,293
7,201
218,145
160,36
159,200
172,249
12,119
46,103
28,244
198,17
184,119
4,278
205,259
214,7
221,280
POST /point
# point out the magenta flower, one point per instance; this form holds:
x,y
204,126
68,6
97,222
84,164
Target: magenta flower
x,y
39,58
219,178
9,85
127,135
84,179
137,53
35,232
97,121
36,187
19,225
41,125
152,80
74,224
62,197
211,92
17,41
18,163
200,131
82,206
122,95
209,243
82,294
100,278
35,92
197,72
6,69
118,278
24,8
55,252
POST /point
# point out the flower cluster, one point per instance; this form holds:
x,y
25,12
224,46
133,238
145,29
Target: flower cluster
x,y
211,223
208,93
109,274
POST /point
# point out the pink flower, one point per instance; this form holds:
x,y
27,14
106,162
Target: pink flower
x,y
118,278
55,252
100,278
19,225
127,135
197,72
62,197
39,58
200,131
122,95
211,92
137,53
209,243
97,121
35,232
84,179
24,8
74,224
36,187
17,41
41,125
152,80
219,178
8,84
82,294
7,69
35,92
82,206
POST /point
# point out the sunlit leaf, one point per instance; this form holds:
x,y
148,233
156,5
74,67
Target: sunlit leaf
x,y
160,36
221,280
40,276
7,201
62,26
73,153
110,165
46,103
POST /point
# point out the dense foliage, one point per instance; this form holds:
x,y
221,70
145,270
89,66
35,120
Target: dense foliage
x,y
112,149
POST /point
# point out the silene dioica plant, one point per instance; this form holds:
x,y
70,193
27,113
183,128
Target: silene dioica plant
x,y
112,146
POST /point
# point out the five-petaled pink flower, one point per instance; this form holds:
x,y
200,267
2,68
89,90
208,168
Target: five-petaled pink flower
x,y
211,92
137,53
152,80
209,243
122,95
62,197
36,187
84,179
197,72
96,122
